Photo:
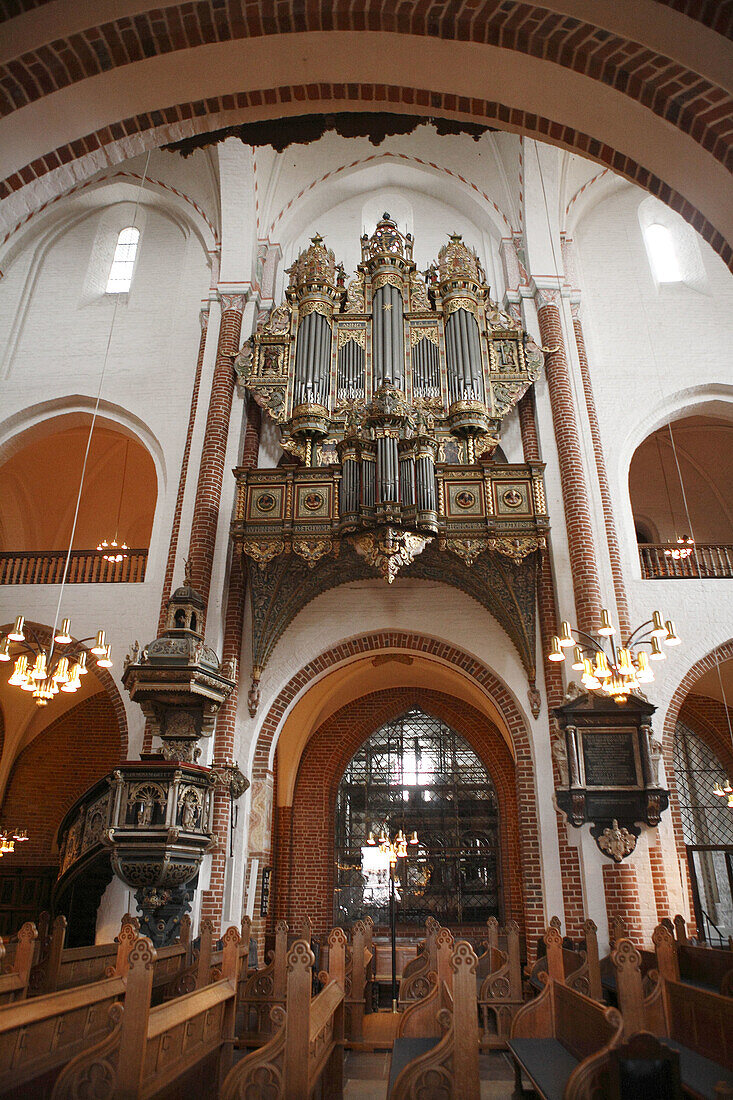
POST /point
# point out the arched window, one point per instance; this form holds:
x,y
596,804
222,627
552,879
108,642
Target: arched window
x,y
707,829
662,253
418,774
123,262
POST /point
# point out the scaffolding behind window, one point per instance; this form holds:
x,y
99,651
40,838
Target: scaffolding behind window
x,y
707,829
416,773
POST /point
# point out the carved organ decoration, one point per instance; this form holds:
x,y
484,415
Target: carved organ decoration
x,y
389,393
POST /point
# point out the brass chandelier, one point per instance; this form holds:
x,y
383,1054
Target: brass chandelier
x,y
618,671
45,671
9,838
395,849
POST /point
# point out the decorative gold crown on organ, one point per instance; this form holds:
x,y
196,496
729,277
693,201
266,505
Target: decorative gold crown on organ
x,y
435,337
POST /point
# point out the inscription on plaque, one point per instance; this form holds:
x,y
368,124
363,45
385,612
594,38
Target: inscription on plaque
x,y
609,759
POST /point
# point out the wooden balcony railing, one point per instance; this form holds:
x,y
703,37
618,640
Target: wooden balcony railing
x,y
85,567
706,562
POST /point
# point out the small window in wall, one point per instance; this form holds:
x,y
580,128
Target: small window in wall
x,y
120,274
663,254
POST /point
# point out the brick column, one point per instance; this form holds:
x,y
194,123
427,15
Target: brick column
x,y
581,544
213,454
614,553
572,887
224,739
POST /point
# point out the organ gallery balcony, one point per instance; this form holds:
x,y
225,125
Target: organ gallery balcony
x,y
665,561
85,567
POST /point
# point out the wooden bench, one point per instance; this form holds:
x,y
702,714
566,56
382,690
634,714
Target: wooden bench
x,y
696,1023
358,983
65,968
263,990
709,968
415,980
40,1035
422,1019
167,1050
500,991
307,1049
561,1040
433,1068
14,981
580,970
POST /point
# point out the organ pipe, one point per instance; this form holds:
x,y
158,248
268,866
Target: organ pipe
x,y
388,341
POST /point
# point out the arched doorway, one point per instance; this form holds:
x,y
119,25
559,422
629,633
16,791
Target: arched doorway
x,y
678,485
418,774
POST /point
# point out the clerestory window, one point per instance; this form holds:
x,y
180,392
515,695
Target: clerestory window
x,y
663,254
123,262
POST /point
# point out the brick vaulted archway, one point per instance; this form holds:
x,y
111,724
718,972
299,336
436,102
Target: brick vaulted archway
x,y
529,843
304,841
639,88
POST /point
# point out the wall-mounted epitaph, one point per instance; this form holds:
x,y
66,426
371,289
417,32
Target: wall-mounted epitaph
x,y
610,758
610,778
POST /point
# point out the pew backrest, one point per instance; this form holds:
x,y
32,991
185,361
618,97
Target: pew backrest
x,y
700,1020
14,982
708,966
307,1041
43,1033
149,1048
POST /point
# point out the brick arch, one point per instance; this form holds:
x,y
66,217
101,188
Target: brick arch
x,y
531,29
723,652
152,129
102,674
528,823
304,873
54,769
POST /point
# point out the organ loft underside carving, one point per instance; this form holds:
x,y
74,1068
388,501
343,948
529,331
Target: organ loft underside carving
x,y
389,394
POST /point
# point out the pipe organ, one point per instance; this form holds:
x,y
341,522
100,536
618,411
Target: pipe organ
x,y
389,392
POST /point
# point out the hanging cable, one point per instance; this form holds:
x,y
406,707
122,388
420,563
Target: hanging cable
x,y
92,426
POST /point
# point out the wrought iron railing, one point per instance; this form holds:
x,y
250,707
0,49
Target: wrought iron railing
x,y
85,567
706,562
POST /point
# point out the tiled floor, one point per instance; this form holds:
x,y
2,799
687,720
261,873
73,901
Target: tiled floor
x,y
366,1075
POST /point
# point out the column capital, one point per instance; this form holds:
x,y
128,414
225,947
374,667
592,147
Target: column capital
x,y
546,292
204,317
233,299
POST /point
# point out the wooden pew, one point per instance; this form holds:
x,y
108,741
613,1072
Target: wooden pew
x,y
421,1019
561,1040
306,1051
696,1023
184,1044
263,990
580,970
53,1028
707,968
40,1035
415,981
65,968
446,1067
500,992
9,945
14,981
358,985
